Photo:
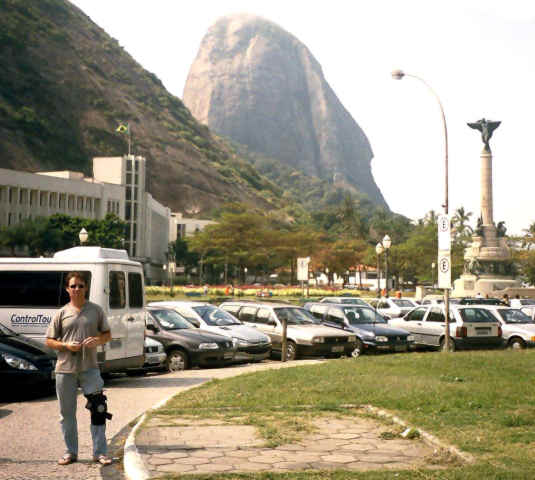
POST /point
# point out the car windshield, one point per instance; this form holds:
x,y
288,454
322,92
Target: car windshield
x,y
514,316
402,303
295,316
481,301
527,301
360,315
216,317
170,320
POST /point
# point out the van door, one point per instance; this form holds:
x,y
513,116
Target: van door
x,y
136,315
118,313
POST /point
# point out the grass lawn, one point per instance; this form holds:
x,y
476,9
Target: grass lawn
x,y
482,402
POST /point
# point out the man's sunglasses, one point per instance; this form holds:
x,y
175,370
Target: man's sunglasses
x,y
76,285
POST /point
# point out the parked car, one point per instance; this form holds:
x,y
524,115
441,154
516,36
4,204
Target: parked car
x,y
306,336
481,301
527,305
185,345
392,307
24,363
251,344
346,300
155,356
438,300
471,326
372,331
517,327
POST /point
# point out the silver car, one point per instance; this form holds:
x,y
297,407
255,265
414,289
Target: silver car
x,y
471,326
250,343
306,336
517,327
393,307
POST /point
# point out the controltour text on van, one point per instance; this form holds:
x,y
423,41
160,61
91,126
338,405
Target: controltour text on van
x,y
21,320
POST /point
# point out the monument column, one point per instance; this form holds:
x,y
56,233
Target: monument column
x,y
486,188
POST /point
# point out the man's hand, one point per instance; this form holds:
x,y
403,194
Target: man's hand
x,y
91,342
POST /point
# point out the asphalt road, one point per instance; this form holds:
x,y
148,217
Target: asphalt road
x,y
30,436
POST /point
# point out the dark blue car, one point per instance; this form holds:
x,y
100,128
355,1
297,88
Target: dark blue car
x,y
26,366
373,332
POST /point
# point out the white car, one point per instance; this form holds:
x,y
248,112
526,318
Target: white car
x,y
345,300
393,307
471,326
518,328
527,305
251,344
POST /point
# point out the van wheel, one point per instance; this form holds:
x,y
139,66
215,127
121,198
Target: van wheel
x,y
177,360
442,347
359,349
516,344
291,350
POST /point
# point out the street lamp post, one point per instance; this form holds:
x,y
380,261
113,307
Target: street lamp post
x,y
398,75
387,243
83,236
379,249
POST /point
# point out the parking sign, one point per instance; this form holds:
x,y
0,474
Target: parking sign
x,y
302,268
444,269
444,232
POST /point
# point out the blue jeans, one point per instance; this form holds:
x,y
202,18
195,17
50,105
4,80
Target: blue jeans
x,y
67,389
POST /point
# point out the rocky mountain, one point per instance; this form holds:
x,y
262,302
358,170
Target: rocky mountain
x,y
254,82
65,87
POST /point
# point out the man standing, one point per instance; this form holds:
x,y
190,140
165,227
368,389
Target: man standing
x,y
75,332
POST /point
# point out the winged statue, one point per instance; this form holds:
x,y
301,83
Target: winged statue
x,y
486,127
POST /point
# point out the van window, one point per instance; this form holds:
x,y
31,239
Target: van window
x,y
35,288
117,290
135,290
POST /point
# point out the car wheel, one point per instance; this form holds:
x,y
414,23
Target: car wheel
x,y
359,349
442,347
291,350
177,360
516,344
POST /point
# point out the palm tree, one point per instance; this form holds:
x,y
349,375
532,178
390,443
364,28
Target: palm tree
x,y
529,237
460,222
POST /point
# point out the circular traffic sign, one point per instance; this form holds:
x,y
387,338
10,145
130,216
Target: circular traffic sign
x,y
444,224
444,265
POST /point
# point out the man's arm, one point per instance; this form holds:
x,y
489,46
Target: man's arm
x,y
63,346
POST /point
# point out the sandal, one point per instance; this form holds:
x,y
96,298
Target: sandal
x,y
103,460
67,459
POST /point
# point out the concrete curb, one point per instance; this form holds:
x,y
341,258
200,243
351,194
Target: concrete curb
x,y
134,466
427,437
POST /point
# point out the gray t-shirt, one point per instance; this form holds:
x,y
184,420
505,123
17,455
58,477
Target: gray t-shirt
x,y
71,325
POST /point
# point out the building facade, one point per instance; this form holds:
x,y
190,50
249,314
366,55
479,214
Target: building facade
x,y
117,186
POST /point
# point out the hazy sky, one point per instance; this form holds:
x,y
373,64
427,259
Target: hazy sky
x,y
477,55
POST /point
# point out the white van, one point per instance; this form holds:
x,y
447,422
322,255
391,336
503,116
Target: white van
x,y
33,289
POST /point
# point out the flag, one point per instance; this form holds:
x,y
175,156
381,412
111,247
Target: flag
x,y
123,128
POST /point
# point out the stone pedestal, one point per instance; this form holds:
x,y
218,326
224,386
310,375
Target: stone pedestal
x,y
487,260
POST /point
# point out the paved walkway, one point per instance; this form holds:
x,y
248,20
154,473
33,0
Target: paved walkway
x,y
207,446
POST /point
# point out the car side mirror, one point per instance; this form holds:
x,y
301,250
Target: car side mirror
x,y
153,328
272,323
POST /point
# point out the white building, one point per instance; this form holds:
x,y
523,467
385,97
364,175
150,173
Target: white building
x,y
181,227
117,186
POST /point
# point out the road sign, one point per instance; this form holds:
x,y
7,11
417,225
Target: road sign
x,y
444,232
302,268
444,269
